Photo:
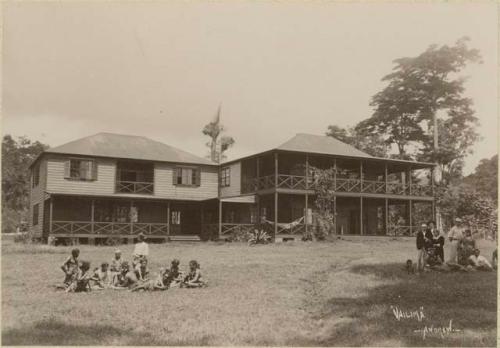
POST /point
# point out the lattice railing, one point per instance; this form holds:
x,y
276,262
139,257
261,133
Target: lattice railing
x,y
368,186
107,228
135,187
348,185
295,182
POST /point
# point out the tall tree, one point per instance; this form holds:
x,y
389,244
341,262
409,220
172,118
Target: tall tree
x,y
217,145
17,155
419,89
485,178
372,144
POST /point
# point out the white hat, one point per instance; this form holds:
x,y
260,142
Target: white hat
x,y
458,219
118,251
424,225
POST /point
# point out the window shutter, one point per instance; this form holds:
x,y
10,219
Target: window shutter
x,y
94,170
174,175
67,165
197,176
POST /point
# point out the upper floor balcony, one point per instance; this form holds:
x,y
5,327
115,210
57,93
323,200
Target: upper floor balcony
x,y
371,176
135,177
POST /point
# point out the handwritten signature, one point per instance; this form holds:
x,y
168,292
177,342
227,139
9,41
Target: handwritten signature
x,y
437,330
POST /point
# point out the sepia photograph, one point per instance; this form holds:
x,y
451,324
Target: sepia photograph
x,y
249,173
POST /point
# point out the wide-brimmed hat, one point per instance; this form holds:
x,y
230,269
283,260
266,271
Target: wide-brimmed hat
x,y
458,219
423,225
118,251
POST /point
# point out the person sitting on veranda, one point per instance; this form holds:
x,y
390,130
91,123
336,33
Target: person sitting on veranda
x,y
466,248
479,262
70,266
193,279
126,279
141,250
81,282
101,278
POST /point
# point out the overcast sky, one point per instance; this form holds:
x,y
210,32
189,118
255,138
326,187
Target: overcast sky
x,y
160,69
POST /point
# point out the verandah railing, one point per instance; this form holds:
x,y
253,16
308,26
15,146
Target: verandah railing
x,y
298,182
135,187
109,228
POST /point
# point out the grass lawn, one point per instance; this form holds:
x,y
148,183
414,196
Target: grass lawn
x,y
308,294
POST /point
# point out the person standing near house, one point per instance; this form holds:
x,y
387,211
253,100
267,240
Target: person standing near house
x,y
141,249
455,236
421,248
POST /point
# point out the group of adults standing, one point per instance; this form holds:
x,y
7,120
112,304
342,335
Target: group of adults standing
x,y
463,252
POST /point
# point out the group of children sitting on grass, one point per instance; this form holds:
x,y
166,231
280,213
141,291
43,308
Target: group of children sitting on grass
x,y
120,275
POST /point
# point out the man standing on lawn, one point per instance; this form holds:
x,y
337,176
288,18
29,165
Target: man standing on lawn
x,y
141,249
455,236
421,248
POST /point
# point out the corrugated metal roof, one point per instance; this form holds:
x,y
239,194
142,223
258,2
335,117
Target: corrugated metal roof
x,y
322,145
128,147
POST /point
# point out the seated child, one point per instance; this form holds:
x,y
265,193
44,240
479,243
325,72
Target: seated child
x,y
193,279
80,282
70,267
479,262
153,284
116,263
101,278
141,270
172,277
126,279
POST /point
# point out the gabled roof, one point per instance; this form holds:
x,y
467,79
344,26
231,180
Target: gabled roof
x,y
127,147
322,145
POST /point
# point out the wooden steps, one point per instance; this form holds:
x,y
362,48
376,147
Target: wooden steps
x,y
185,238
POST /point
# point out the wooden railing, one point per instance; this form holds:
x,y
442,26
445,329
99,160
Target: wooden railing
x,y
135,187
298,182
402,231
109,228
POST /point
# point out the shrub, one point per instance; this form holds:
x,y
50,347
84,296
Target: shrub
x,y
259,237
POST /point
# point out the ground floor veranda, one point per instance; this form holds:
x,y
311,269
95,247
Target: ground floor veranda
x,y
282,215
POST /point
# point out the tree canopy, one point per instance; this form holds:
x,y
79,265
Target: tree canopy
x,y
217,145
372,144
419,89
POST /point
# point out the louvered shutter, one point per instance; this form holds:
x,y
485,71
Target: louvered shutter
x,y
174,175
197,176
67,165
94,170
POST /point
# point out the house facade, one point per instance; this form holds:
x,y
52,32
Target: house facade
x,y
116,186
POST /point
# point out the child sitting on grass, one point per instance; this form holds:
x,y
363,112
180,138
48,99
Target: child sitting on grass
x,y
116,263
193,279
80,283
172,277
101,278
70,267
126,279
141,270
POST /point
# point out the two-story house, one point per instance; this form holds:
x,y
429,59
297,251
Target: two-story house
x,y
110,185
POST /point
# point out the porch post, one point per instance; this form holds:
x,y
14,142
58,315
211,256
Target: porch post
x,y
306,197
410,217
434,217
51,208
220,219
360,176
130,217
258,174
275,215
409,180
335,174
92,207
386,216
335,214
385,178
361,215
168,219
275,195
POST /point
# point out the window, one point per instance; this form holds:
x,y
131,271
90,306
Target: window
x,y
36,175
187,176
81,169
225,177
36,210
